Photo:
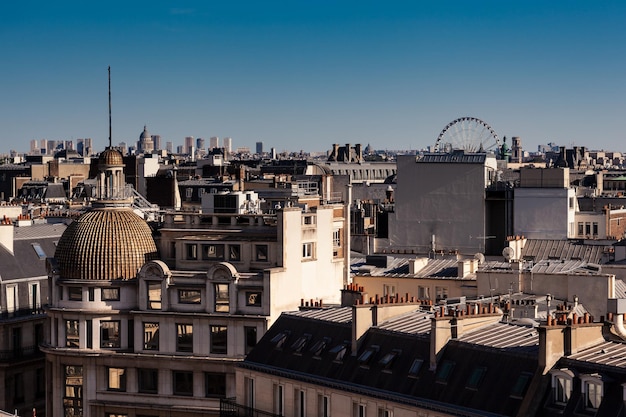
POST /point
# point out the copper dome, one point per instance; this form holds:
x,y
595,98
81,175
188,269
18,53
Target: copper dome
x,y
110,157
105,244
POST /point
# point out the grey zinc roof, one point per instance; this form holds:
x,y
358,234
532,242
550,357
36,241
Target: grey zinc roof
x,y
399,267
414,323
606,353
540,249
502,336
333,314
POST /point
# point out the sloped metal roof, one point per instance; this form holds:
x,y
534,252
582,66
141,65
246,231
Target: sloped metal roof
x,y
540,249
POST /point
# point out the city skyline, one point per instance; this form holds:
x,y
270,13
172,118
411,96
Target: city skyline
x,y
301,77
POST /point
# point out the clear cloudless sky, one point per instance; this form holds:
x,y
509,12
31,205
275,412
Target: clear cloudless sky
x,y
301,75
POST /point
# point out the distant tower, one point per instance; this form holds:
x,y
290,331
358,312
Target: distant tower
x,y
169,147
145,144
88,147
259,148
188,145
214,142
156,139
80,146
228,145
200,144
517,153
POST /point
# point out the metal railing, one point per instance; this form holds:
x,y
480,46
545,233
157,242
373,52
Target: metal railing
x,y
23,352
229,408
22,312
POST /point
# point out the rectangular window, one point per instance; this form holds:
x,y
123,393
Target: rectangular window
x,y
562,390
441,293
249,399
415,367
476,378
444,372
261,253
117,379
336,238
191,249
73,398
151,336
423,293
251,338
300,403
215,384
307,250
234,252
18,388
323,406
148,380
154,295
91,293
588,229
279,400
34,299
211,252
519,388
389,290
72,338
110,294
110,334
307,220
593,395
184,338
89,333
75,293
253,298
358,410
222,298
41,254
183,382
219,339
189,297
383,412
595,229
581,228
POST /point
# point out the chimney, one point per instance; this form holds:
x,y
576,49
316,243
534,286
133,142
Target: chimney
x,y
463,268
6,236
363,317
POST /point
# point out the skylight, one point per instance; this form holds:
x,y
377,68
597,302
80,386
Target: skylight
x,y
519,389
279,339
415,367
300,342
339,351
388,359
476,377
39,251
319,346
444,371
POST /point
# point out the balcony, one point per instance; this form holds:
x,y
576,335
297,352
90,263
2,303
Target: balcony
x,y
229,408
21,353
22,313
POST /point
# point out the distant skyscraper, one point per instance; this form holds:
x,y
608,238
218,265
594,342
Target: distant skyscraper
x,y
34,147
156,139
122,148
259,148
228,145
80,146
69,145
169,147
188,144
214,142
180,149
200,144
88,150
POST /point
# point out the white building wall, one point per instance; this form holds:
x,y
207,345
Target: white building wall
x,y
543,213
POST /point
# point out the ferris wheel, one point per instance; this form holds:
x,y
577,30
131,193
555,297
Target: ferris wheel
x,y
468,133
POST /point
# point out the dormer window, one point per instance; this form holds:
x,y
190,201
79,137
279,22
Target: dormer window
x,y
339,351
299,344
592,389
279,339
319,346
562,386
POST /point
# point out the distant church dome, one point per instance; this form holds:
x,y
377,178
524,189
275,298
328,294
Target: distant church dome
x,y
105,244
110,241
145,134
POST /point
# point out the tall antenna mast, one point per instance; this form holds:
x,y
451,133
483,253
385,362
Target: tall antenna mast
x,y
110,143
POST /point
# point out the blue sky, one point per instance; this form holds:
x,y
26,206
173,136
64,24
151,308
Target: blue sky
x,y
301,75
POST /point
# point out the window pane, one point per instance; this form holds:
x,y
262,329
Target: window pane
x,y
189,297
71,334
151,336
184,338
117,379
154,295
192,251
211,252
148,380
261,253
183,383
73,398
234,252
215,384
251,338
110,334
110,294
253,298
219,339
221,298
76,293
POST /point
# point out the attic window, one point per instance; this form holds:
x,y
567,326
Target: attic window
x,y
319,346
476,377
415,367
339,351
39,251
444,371
367,355
519,389
388,359
279,339
300,343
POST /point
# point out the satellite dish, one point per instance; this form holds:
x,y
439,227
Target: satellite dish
x,y
508,253
480,258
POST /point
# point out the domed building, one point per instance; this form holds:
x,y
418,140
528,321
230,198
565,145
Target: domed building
x,y
145,143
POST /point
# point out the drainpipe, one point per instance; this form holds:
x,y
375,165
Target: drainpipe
x,y
347,234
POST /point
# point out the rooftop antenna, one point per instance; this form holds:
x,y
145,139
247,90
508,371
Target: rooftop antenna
x,y
110,143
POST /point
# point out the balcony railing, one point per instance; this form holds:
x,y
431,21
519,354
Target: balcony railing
x,y
22,312
229,408
24,352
